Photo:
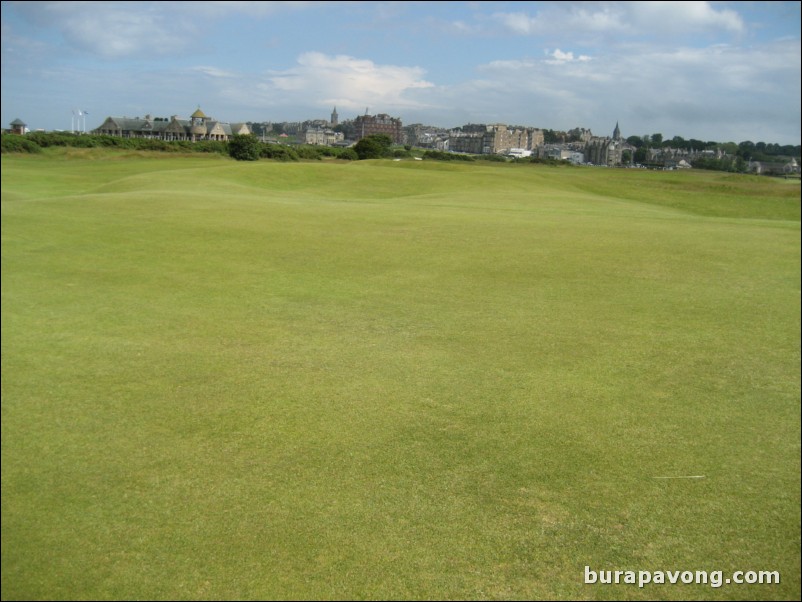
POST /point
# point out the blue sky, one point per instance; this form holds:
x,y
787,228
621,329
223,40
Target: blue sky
x,y
724,71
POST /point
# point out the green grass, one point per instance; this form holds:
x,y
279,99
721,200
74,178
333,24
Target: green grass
x,y
394,379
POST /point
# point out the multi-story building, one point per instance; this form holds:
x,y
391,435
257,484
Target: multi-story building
x,y
367,125
466,142
426,136
197,127
494,139
608,151
322,136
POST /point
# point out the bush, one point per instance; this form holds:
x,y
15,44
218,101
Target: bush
x,y
348,154
444,156
374,146
308,152
244,148
14,143
278,152
211,146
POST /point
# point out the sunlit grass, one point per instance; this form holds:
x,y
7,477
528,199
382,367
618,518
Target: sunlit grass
x,y
394,380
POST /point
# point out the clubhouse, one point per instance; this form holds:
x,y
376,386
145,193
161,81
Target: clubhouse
x,y
198,127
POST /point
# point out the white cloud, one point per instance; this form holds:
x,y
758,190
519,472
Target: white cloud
x,y
566,57
346,81
691,92
622,19
679,16
215,72
114,30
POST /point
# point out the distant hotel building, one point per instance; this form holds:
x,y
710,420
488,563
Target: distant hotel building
x,y
367,125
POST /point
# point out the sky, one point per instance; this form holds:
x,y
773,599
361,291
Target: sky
x,y
714,71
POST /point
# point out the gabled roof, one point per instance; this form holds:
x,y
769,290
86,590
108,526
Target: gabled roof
x,y
128,124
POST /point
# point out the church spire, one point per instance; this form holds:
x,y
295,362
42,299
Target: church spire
x,y
616,132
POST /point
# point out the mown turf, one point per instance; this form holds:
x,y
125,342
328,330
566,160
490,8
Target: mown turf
x,y
394,379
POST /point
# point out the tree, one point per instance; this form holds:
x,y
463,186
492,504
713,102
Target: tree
x,y
551,137
657,140
635,141
746,149
679,142
244,148
374,146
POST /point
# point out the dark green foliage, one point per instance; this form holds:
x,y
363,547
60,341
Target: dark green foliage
x,y
309,152
551,137
13,143
374,146
635,141
211,146
444,156
348,154
549,161
244,148
736,164
278,152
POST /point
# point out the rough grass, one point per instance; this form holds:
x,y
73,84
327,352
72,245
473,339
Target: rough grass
x,y
394,379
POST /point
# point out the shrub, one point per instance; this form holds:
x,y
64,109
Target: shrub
x,y
244,148
444,156
374,146
278,152
13,143
308,152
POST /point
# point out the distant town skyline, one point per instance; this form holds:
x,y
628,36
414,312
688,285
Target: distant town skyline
x,y
723,71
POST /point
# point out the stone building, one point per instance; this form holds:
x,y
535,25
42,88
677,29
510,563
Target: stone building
x,y
322,136
426,136
198,127
495,139
608,151
466,142
367,125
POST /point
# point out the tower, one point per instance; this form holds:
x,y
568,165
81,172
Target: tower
x,y
197,124
334,117
616,132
